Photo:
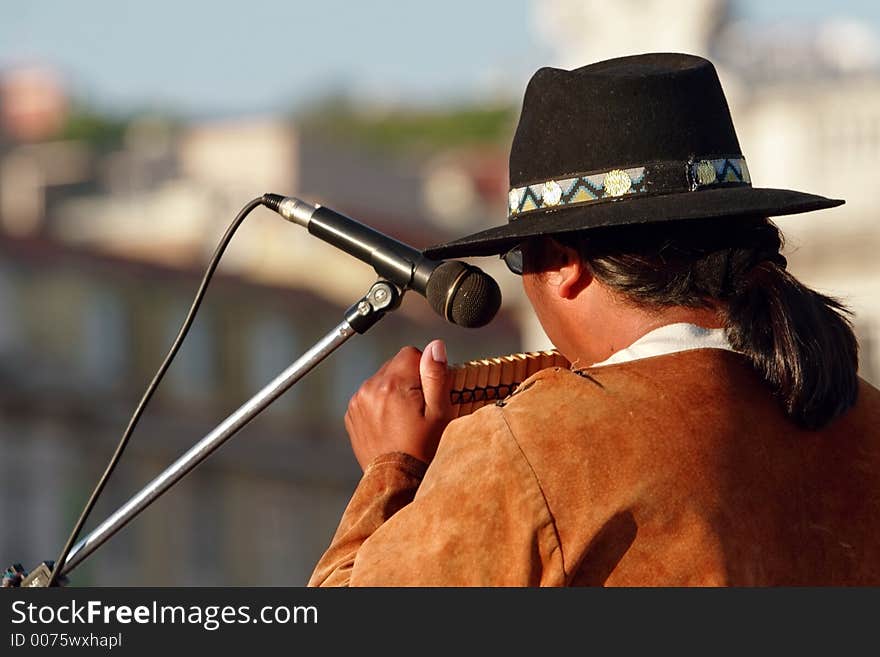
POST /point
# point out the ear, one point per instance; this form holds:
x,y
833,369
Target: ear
x,y
570,274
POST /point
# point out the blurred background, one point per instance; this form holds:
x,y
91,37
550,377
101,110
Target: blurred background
x,y
131,134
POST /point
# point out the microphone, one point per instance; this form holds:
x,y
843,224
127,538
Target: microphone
x,y
458,292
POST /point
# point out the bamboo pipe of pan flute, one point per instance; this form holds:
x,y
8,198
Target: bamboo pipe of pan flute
x,y
486,380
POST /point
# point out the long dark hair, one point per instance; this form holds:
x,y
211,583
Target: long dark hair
x,y
800,341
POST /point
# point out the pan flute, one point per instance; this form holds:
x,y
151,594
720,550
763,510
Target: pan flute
x,y
480,382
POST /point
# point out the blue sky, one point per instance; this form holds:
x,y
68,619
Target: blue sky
x,y
227,57
867,10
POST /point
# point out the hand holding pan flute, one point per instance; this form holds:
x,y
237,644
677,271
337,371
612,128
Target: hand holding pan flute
x,y
404,407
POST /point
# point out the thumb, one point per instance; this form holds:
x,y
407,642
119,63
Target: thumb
x,y
436,382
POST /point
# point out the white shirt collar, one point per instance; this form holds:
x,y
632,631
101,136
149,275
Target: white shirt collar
x,y
668,340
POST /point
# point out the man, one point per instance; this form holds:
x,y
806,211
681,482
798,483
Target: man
x,y
712,430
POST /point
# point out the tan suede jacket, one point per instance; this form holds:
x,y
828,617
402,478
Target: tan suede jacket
x,y
676,470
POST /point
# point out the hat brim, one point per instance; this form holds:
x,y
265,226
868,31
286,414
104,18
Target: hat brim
x,y
705,204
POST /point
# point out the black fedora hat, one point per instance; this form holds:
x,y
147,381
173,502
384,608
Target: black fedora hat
x,y
631,140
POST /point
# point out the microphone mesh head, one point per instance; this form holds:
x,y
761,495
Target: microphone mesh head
x,y
475,296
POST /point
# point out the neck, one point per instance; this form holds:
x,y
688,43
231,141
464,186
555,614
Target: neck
x,y
615,324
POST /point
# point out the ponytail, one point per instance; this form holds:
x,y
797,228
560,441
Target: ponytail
x,y
801,342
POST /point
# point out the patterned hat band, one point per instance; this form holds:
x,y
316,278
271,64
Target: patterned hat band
x,y
654,178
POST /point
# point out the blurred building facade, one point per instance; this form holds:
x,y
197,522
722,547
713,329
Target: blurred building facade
x,y
100,250
82,334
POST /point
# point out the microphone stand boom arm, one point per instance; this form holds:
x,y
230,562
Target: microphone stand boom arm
x,y
381,298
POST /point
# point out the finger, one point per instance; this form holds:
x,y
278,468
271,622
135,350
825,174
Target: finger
x,y
350,419
403,370
381,380
349,426
435,379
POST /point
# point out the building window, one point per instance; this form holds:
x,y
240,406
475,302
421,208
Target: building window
x,y
104,348
10,314
193,374
271,348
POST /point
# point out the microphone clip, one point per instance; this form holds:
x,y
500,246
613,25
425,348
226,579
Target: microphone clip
x,y
381,298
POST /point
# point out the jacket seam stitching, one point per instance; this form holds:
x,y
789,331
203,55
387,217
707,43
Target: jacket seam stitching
x,y
541,491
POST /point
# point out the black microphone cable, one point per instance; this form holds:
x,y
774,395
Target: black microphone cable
x,y
136,416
